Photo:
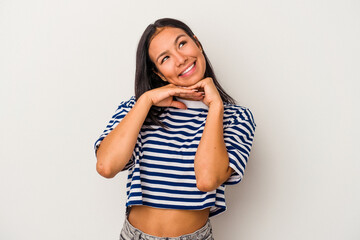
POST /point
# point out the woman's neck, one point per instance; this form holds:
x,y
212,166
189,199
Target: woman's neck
x,y
192,104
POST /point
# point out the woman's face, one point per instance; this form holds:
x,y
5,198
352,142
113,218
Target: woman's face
x,y
178,59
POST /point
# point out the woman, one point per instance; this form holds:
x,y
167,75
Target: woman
x,y
181,138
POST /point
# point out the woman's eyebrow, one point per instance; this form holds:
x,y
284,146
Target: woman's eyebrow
x,y
177,38
175,42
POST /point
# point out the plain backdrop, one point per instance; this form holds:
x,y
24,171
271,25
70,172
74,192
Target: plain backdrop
x,y
66,65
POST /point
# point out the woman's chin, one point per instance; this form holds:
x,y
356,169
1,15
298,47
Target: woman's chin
x,y
190,82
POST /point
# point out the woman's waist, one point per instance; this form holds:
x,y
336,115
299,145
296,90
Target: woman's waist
x,y
167,222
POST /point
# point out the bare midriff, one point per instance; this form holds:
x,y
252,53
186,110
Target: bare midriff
x,y
167,222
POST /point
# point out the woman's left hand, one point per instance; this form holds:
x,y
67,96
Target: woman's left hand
x,y
211,94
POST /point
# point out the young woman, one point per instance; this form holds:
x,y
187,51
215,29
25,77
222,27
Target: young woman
x,y
181,138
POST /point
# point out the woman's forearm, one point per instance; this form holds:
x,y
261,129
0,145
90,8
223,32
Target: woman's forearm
x,y
116,149
211,159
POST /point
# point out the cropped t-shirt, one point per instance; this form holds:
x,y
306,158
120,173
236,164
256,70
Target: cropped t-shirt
x,y
161,169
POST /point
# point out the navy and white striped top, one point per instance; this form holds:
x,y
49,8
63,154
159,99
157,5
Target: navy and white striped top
x,y
161,169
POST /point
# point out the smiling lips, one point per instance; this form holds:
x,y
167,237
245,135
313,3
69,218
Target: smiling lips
x,y
188,71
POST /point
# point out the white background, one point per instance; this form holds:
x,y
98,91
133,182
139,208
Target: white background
x,y
66,65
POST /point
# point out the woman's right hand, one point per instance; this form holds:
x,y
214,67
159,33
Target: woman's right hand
x,y
163,96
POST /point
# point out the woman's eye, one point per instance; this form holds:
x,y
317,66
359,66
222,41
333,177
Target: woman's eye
x,y
164,59
182,44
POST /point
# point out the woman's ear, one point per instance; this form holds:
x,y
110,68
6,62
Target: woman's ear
x,y
160,75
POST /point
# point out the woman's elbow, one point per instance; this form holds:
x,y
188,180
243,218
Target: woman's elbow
x,y
104,170
206,185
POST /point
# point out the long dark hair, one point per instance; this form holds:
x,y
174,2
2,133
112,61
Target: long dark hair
x,y
145,77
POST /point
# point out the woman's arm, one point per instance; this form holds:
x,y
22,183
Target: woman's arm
x,y
211,159
116,149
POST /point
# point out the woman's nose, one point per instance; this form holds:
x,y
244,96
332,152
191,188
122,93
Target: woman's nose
x,y
180,59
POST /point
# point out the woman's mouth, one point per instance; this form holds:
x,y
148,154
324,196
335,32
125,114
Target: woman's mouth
x,y
188,70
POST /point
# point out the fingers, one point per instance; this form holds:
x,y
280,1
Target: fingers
x,y
206,83
197,85
163,96
192,97
182,92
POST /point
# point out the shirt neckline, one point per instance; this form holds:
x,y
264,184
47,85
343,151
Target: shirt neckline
x,y
193,104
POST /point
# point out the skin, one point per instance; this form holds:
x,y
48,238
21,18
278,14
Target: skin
x,y
173,57
172,52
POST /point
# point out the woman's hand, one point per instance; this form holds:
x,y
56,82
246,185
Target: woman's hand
x,y
210,92
163,96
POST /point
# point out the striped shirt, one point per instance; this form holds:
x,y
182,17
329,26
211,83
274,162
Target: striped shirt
x,y
161,170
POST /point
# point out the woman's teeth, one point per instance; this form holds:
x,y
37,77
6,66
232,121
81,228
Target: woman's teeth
x,y
188,69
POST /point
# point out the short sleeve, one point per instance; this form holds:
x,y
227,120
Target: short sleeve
x,y
120,113
239,129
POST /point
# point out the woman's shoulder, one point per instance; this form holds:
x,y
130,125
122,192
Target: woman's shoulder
x,y
236,113
127,103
